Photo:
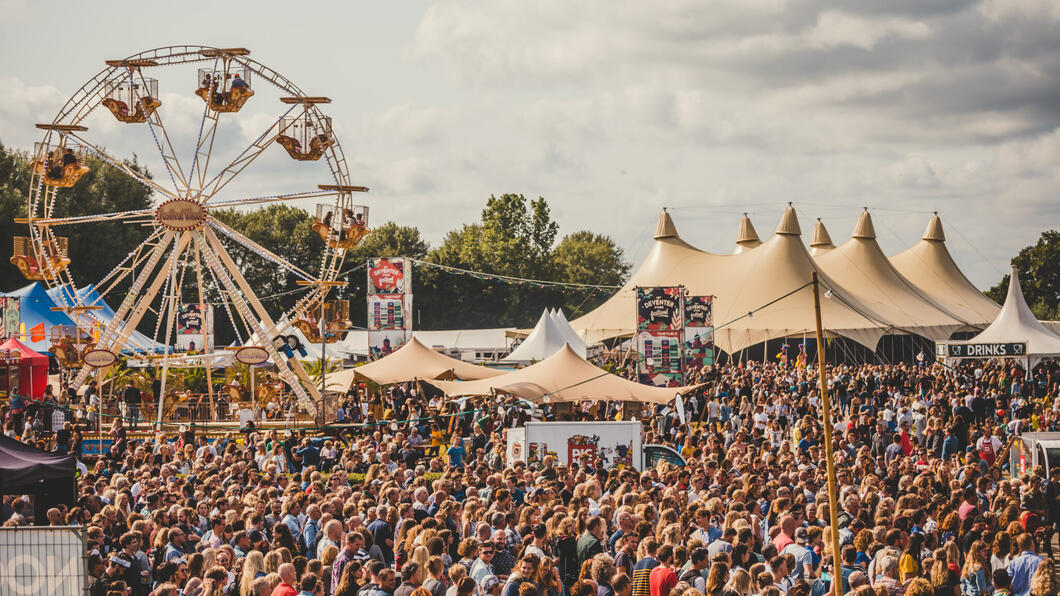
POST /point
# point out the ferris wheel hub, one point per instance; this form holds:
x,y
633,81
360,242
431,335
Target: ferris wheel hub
x,y
180,214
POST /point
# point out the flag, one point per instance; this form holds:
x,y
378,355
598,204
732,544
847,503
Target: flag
x,y
36,332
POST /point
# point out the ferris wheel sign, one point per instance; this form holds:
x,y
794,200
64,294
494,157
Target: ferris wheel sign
x,y
99,358
180,214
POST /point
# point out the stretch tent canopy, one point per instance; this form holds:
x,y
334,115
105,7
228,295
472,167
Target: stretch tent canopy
x,y
860,266
1016,323
411,362
563,377
871,294
740,283
929,266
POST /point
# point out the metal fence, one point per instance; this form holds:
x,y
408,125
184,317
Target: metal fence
x,y
43,561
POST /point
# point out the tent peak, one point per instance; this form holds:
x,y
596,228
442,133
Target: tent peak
x,y
864,229
789,223
665,228
933,232
820,239
747,237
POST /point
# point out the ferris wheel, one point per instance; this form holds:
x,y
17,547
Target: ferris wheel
x,y
184,246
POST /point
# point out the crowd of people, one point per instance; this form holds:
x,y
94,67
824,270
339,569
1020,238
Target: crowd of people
x,y
416,498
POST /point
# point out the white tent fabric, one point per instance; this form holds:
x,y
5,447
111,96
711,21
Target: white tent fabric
x,y
546,338
1016,323
412,361
574,340
747,237
860,266
740,283
929,266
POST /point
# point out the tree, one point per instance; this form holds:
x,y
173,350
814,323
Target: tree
x,y
587,258
102,190
1038,266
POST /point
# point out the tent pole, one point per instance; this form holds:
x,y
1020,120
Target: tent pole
x,y
826,408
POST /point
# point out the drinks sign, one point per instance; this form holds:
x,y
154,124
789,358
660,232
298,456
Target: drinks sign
x,y
180,214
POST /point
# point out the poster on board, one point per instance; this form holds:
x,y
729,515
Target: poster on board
x,y
385,342
660,308
195,327
659,357
389,276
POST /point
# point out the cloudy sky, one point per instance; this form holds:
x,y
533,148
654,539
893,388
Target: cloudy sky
x,y
613,110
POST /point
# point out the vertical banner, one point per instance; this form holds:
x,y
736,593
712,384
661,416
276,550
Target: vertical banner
x,y
389,305
699,332
195,327
10,317
660,321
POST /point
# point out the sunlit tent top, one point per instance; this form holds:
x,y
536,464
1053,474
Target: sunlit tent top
x,y
563,377
411,362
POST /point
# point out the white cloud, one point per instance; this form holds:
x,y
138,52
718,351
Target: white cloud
x,y
837,29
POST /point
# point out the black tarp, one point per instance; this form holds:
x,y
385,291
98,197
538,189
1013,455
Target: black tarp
x,y
26,470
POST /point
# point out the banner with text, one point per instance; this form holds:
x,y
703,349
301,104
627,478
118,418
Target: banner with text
x,y
389,304
659,357
660,308
195,327
699,331
10,317
389,276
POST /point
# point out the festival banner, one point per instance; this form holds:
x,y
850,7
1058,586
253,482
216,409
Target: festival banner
x,y
386,312
659,357
389,276
195,327
10,317
699,332
384,342
660,308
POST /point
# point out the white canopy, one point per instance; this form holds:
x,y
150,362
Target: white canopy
x,y
1016,323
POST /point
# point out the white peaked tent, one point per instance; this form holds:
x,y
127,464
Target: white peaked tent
x,y
860,266
574,340
547,338
929,266
753,279
1016,323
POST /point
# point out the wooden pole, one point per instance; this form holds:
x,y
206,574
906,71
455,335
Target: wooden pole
x,y
826,406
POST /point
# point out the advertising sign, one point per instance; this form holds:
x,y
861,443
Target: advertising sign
x,y
385,342
659,357
195,327
699,331
10,317
991,350
389,276
386,311
660,308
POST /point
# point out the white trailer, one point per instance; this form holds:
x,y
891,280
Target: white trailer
x,y
43,561
615,443
1034,449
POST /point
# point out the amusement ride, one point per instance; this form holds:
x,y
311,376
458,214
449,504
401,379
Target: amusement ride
x,y
183,252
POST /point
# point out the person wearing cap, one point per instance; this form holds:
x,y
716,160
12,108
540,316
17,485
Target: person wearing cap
x,y
803,568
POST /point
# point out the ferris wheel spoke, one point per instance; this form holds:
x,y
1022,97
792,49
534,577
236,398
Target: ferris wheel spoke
x,y
82,219
204,144
294,196
100,153
258,249
165,147
244,159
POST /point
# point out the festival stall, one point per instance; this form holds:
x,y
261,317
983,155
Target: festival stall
x,y
26,371
47,477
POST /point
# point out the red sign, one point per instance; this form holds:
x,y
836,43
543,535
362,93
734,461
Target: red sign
x,y
579,447
386,276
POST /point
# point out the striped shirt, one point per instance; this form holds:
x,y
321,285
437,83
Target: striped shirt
x,y
642,576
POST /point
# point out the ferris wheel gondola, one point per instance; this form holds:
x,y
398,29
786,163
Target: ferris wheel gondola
x,y
184,255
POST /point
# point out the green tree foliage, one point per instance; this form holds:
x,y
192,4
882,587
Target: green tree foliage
x,y
1038,266
101,190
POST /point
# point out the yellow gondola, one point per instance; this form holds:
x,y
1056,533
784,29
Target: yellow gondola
x,y
317,146
35,266
145,106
